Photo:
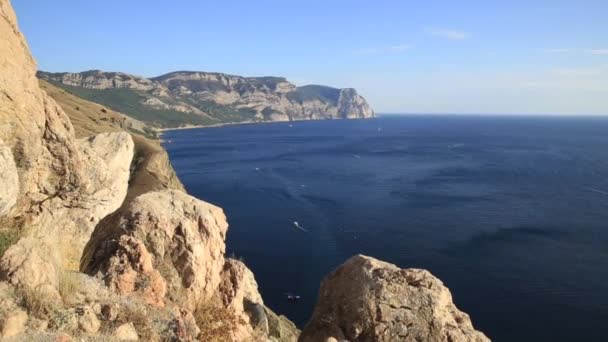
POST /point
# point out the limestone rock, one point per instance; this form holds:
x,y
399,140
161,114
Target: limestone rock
x,y
280,328
65,186
238,291
106,158
88,321
185,325
13,319
14,323
126,332
26,265
130,269
183,235
369,300
9,179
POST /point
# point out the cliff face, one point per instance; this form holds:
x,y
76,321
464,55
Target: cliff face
x,y
213,98
98,239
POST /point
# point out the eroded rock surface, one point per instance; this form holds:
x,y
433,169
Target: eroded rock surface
x,y
369,300
9,179
183,236
65,186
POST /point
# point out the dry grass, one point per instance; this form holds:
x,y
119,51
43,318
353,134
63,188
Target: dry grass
x,y
150,323
217,324
69,284
37,302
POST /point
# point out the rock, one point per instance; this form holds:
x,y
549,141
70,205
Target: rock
x,y
185,325
247,99
369,300
183,236
126,332
26,265
13,323
88,321
152,170
12,317
106,158
238,291
352,106
65,186
63,337
130,269
109,312
85,290
280,328
9,179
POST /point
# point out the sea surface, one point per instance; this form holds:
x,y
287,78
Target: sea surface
x,y
511,213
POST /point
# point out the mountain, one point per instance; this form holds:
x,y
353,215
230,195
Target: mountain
x,y
185,98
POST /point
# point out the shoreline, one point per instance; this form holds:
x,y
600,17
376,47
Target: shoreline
x,y
161,131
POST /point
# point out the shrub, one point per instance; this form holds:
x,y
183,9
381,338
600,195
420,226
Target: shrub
x,y
217,323
8,238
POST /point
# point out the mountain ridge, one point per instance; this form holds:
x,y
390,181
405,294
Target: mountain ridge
x,y
185,98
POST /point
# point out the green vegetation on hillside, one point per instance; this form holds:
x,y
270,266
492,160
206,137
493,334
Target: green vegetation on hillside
x,y
316,92
129,102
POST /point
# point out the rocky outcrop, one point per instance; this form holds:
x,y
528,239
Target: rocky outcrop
x,y
280,328
169,231
65,186
96,79
214,98
26,265
238,292
150,168
9,179
369,300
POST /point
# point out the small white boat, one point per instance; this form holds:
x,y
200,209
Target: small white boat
x,y
297,225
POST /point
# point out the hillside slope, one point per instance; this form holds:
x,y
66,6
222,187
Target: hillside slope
x,y
200,98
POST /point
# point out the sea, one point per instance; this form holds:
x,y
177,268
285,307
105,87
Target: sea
x,y
510,212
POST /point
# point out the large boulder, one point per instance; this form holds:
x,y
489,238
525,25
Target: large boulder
x,y
181,236
26,265
369,300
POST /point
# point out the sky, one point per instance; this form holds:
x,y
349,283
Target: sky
x,y
408,56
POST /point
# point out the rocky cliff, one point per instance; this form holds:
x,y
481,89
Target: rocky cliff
x,y
369,300
100,242
191,98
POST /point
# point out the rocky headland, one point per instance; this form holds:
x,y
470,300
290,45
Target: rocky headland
x,y
187,98
100,242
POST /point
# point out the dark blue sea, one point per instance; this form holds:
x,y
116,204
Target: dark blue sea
x,y
510,212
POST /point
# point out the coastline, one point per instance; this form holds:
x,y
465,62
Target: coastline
x,y
160,131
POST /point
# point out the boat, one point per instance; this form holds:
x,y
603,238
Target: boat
x,y
292,297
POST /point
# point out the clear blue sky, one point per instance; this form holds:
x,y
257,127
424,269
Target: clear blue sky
x,y
483,56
